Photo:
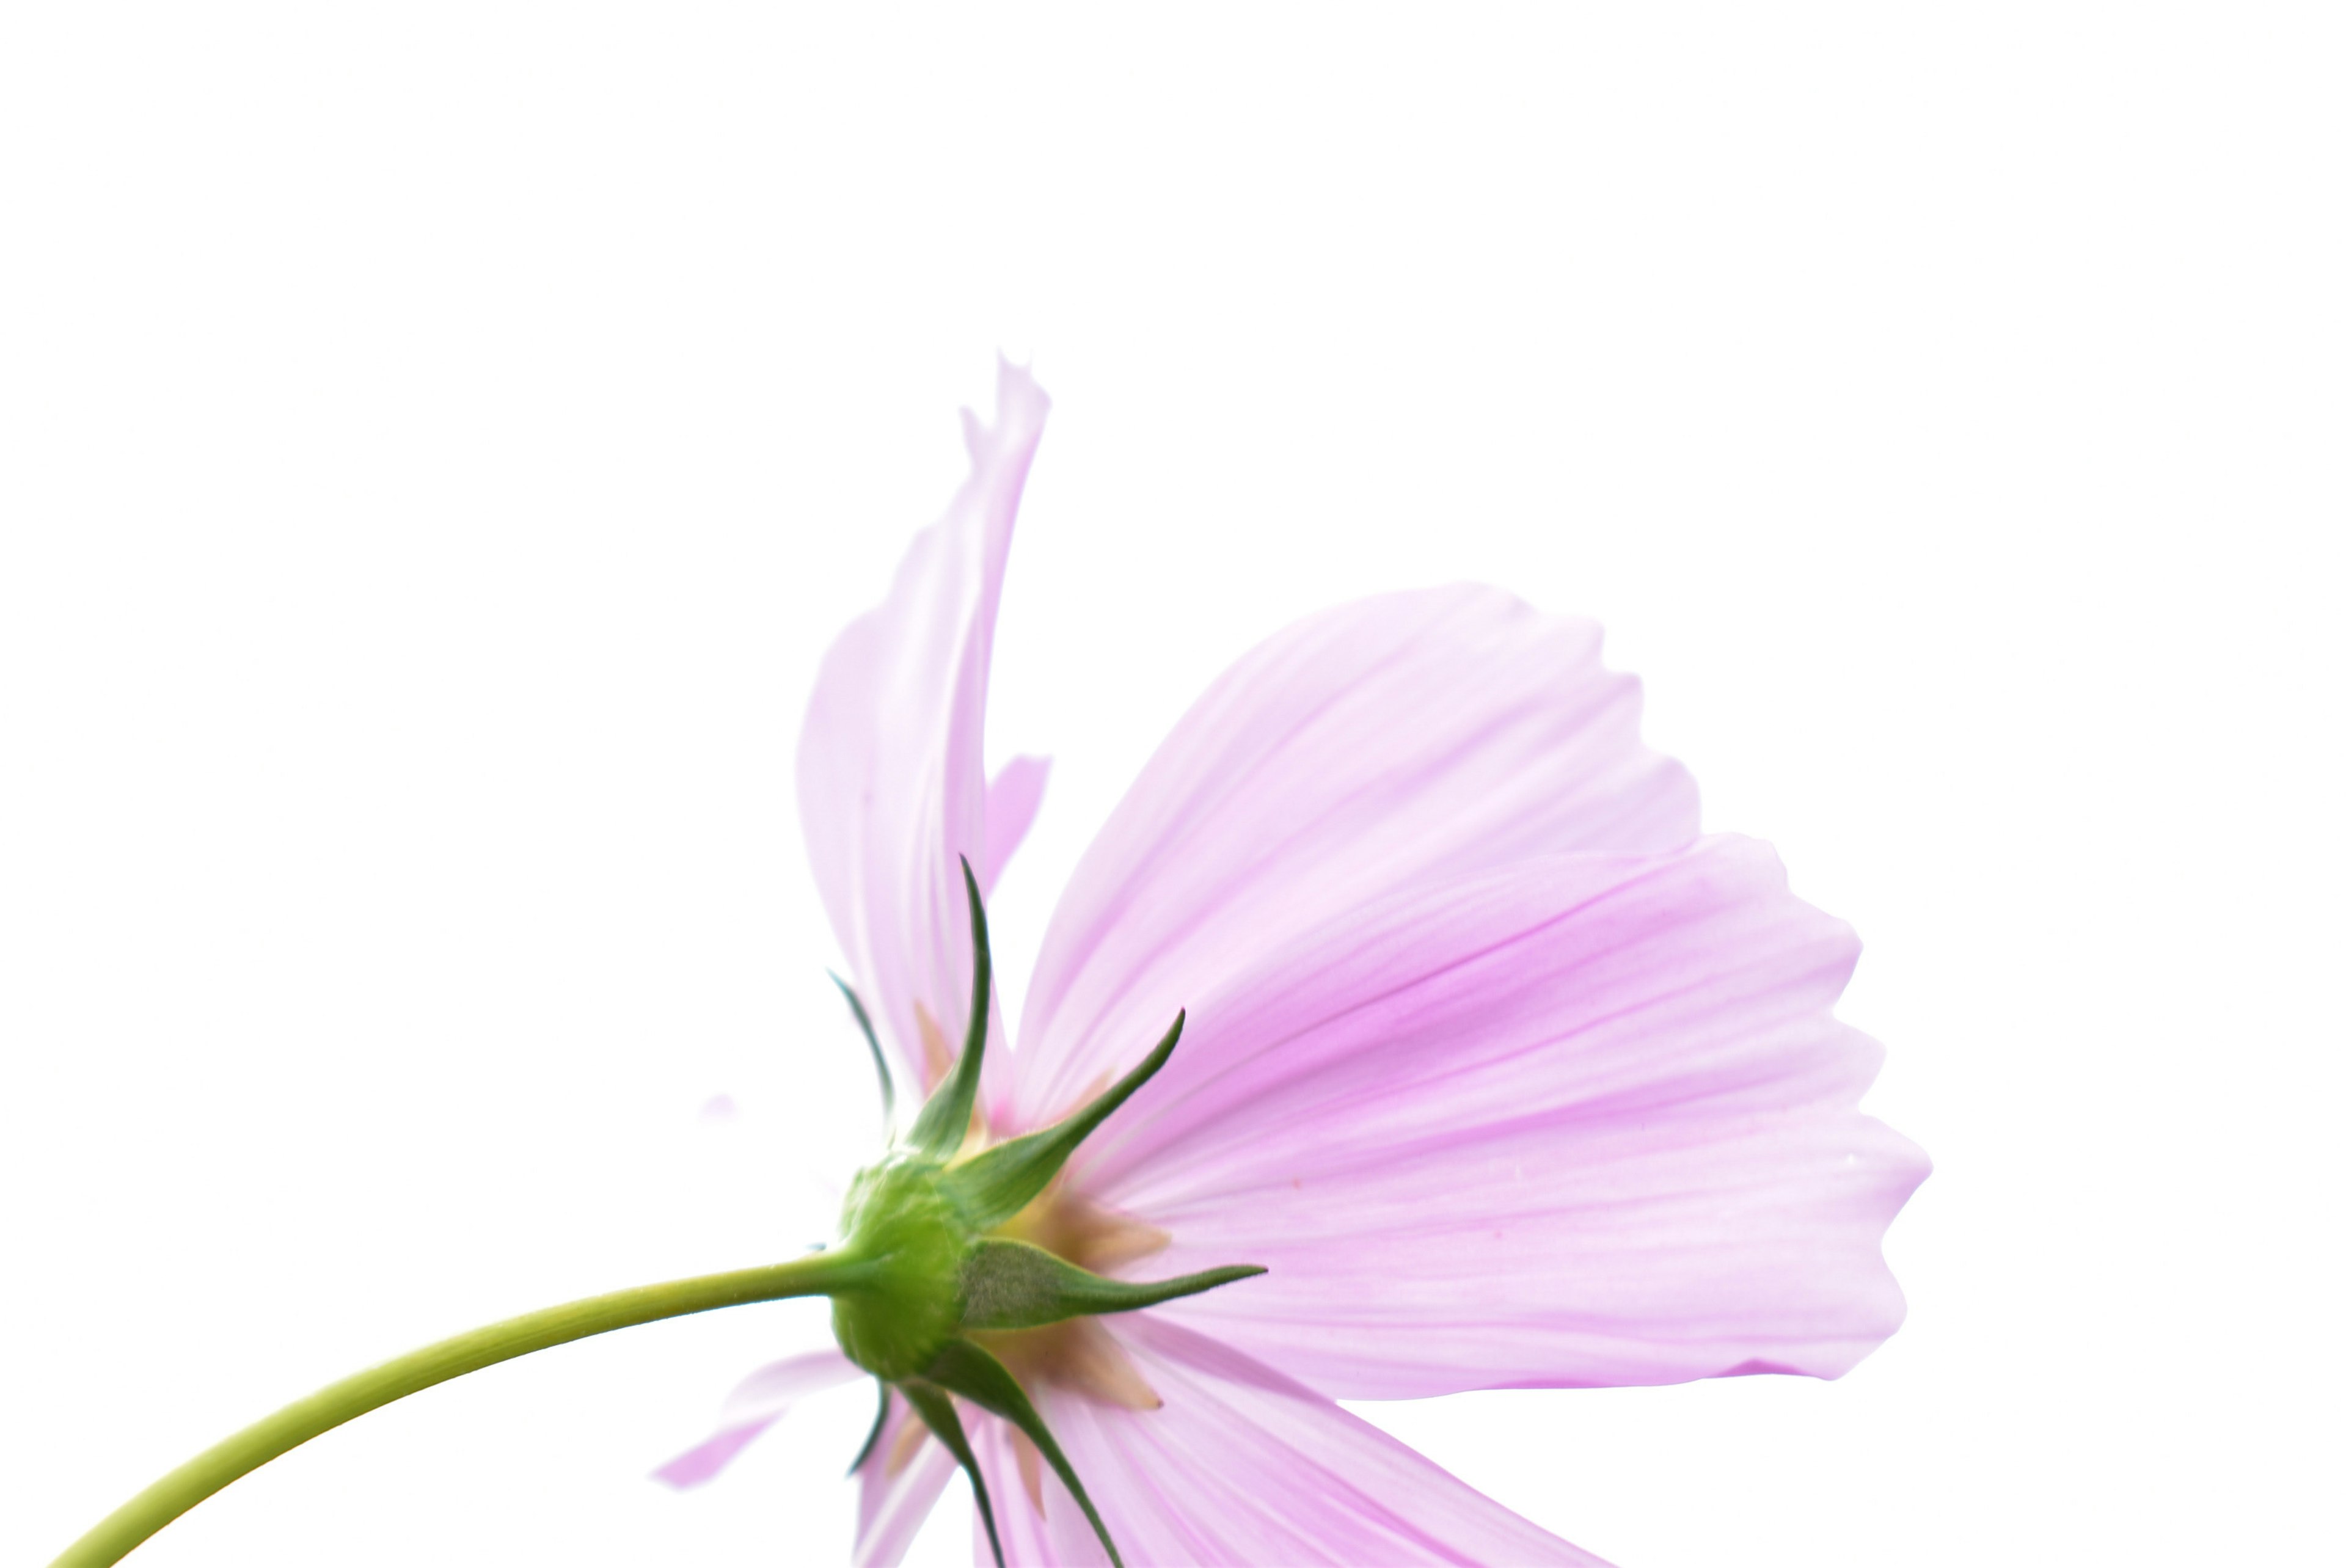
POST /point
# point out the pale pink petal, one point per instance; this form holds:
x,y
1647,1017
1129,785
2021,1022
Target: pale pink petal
x,y
900,1485
890,765
1242,1465
1374,747
1585,1120
760,1400
1024,1539
1010,804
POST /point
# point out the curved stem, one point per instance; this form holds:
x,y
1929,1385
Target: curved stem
x,y
329,1407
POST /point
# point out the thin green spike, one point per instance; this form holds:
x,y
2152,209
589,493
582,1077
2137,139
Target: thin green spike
x,y
973,1373
935,1408
944,1122
1005,1178
879,1057
1008,1284
864,1454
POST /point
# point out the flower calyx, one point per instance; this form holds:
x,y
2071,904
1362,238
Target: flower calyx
x,y
921,1224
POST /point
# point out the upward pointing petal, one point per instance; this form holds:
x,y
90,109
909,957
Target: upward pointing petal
x,y
891,764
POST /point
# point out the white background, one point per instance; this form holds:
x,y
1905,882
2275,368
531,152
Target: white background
x,y
436,445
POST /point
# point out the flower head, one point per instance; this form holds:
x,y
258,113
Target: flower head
x,y
1484,1069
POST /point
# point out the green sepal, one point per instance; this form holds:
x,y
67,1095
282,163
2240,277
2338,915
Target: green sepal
x,y
935,1407
864,1454
1008,1284
992,1186
879,1057
973,1374
944,1122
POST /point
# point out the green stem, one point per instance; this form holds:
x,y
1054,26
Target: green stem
x,y
329,1407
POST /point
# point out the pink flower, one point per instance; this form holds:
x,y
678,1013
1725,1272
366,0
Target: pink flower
x,y
1508,1076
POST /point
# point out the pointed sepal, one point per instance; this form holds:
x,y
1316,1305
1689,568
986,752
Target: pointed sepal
x,y
944,1122
1011,1285
935,1407
1005,1178
879,1057
974,1374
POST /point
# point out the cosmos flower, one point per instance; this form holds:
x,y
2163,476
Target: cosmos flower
x,y
1492,1072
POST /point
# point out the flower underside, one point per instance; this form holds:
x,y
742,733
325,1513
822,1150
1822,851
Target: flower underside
x,y
975,1268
